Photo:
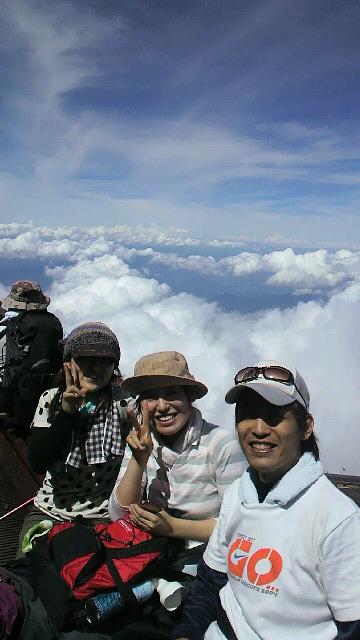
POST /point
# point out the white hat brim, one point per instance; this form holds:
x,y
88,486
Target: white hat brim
x,y
274,392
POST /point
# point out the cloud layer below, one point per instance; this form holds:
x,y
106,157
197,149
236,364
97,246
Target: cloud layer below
x,y
307,272
320,339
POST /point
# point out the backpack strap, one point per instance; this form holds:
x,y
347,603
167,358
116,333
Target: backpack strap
x,y
91,567
154,569
52,590
124,589
104,555
154,545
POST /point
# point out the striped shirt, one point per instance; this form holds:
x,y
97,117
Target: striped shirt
x,y
193,486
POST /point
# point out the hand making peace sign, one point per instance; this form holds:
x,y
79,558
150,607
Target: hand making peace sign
x,y
73,396
139,438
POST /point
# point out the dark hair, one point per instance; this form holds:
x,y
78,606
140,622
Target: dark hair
x,y
299,413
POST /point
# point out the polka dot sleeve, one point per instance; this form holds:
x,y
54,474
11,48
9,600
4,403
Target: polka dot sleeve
x,y
41,417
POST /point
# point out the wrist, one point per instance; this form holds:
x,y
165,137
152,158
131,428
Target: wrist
x,y
67,411
140,463
172,522
63,413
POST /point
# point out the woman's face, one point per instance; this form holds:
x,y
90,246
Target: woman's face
x,y
94,372
270,437
170,408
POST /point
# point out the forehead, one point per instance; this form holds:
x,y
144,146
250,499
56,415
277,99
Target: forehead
x,y
251,399
253,405
281,419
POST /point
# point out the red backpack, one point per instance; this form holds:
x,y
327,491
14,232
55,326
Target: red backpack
x,y
78,560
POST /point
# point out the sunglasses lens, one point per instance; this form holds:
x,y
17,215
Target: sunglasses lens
x,y
277,373
245,374
271,373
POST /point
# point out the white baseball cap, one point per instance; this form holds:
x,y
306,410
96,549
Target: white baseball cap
x,y
275,381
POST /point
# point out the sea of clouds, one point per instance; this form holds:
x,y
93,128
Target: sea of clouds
x,y
96,281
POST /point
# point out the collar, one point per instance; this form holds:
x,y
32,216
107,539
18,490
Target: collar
x,y
300,477
189,436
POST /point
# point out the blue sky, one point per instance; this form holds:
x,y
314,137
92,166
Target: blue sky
x,y
228,119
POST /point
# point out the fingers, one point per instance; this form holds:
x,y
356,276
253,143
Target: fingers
x,y
138,437
133,419
71,376
156,524
147,416
144,514
75,372
72,392
133,440
68,377
71,389
142,518
140,440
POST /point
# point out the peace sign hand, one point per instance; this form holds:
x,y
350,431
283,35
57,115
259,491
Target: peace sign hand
x,y
73,396
139,438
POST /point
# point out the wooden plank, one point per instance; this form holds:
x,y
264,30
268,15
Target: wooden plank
x,y
14,473
17,485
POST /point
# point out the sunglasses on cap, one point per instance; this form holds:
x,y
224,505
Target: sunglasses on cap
x,y
275,373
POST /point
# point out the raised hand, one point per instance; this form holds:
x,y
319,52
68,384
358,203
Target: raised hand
x,y
73,395
139,438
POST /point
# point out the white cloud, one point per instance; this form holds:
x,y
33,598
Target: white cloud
x,y
199,264
303,271
319,339
311,271
315,269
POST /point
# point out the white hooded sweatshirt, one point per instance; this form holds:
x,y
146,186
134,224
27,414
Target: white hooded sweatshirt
x,y
293,561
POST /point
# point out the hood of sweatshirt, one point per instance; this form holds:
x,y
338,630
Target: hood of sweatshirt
x,y
299,478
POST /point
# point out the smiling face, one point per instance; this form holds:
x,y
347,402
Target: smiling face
x,y
170,407
94,372
269,436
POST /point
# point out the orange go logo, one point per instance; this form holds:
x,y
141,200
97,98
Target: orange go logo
x,y
258,572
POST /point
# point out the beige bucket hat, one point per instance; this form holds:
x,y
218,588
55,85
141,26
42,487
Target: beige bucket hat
x,y
162,369
26,295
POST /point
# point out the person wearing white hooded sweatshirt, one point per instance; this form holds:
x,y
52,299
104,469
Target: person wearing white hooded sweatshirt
x,y
284,558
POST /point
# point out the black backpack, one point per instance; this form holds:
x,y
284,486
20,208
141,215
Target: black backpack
x,y
33,356
34,622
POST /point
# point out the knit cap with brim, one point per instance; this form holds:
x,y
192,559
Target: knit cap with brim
x,y
92,339
162,369
26,295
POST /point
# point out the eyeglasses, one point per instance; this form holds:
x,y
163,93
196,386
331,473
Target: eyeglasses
x,y
275,373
